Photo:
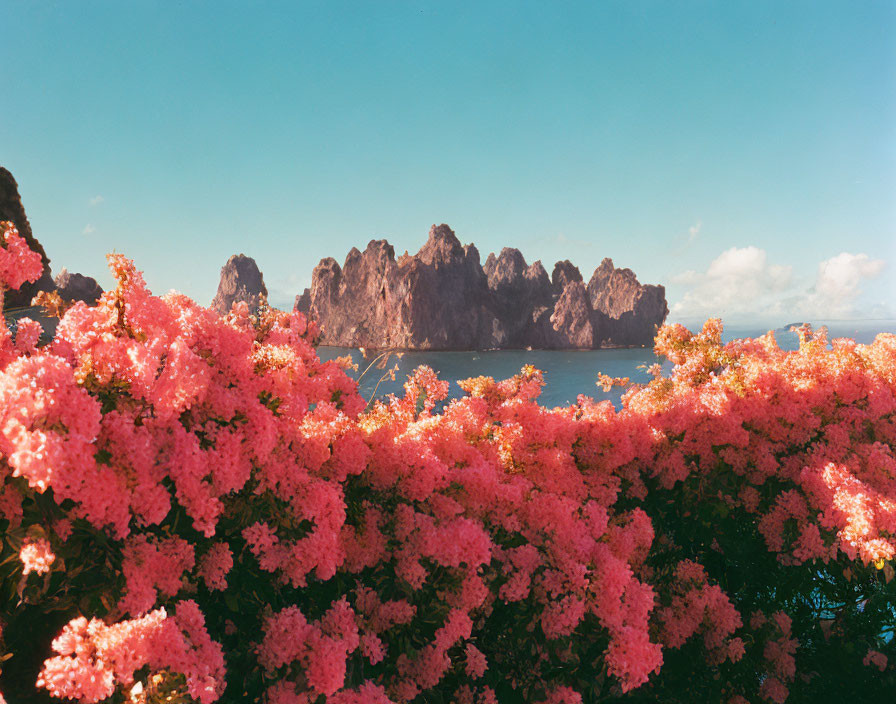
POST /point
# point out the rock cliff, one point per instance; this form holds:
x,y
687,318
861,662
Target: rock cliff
x,y
624,309
77,287
431,300
11,209
443,298
240,281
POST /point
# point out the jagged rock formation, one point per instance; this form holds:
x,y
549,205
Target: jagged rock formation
x,y
442,298
622,305
77,287
303,302
240,281
564,273
375,300
522,300
11,209
571,319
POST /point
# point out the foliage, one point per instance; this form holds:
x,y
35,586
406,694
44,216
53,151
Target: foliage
x,y
196,508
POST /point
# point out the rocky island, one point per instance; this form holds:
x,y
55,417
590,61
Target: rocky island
x,y
442,298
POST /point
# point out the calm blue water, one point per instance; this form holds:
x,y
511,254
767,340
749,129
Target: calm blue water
x,y
567,373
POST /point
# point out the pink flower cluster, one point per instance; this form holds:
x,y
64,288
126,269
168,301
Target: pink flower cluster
x,y
778,653
817,419
93,658
18,262
505,464
696,606
214,566
321,648
876,658
36,556
152,569
173,367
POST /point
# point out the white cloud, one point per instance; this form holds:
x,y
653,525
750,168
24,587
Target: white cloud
x,y
96,200
841,275
694,231
742,283
88,229
736,282
838,285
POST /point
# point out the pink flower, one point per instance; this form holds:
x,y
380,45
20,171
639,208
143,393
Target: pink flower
x,y
28,333
18,262
476,663
372,648
214,566
36,556
153,568
878,659
632,657
773,690
93,658
562,695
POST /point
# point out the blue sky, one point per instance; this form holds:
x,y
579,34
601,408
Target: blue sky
x,y
741,153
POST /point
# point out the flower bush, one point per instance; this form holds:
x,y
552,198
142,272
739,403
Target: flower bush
x,y
195,508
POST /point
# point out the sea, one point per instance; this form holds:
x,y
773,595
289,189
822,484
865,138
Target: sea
x,y
567,373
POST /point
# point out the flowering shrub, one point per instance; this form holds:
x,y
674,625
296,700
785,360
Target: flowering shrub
x,y
196,508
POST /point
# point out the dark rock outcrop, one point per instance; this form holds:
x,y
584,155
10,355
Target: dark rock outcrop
x,y
303,302
571,319
518,291
564,273
11,209
443,298
240,281
77,287
625,312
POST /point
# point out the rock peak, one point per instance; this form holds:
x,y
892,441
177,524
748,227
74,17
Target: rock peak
x,y
442,246
514,258
381,249
240,281
565,272
442,232
77,287
537,272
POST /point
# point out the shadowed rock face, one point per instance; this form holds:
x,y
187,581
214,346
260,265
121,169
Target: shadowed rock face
x,y
517,292
77,287
240,281
431,300
565,272
11,209
571,319
303,302
625,312
443,298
